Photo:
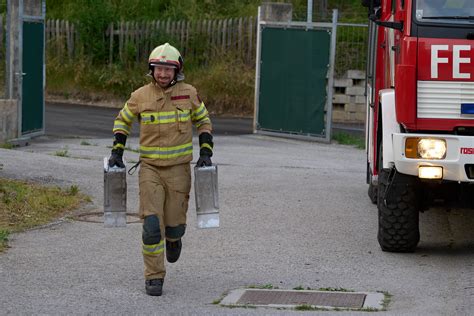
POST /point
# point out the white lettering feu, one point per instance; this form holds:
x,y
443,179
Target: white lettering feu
x,y
457,61
436,60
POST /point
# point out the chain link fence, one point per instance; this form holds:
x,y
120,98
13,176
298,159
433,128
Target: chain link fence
x,y
351,48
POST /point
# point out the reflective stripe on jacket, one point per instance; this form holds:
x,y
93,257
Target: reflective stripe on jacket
x,y
166,118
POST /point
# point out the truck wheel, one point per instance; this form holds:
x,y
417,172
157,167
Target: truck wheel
x,y
398,216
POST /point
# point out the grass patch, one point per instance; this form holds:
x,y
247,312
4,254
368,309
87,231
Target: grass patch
x,y
62,153
6,146
4,239
26,205
85,143
348,139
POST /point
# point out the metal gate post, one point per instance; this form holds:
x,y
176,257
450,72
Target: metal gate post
x,y
257,71
332,64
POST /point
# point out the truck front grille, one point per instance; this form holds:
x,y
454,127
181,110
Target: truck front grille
x,y
443,99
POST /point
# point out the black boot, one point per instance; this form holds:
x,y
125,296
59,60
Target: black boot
x,y
154,287
173,250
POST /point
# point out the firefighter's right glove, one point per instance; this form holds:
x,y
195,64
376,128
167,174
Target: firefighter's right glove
x,y
205,153
116,158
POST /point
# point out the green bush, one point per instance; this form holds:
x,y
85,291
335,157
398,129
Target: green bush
x,y
93,17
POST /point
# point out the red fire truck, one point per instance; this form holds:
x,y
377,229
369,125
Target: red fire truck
x,y
420,112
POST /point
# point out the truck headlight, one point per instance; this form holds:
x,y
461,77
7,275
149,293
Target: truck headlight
x,y
425,148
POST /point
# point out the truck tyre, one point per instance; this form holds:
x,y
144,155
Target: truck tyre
x,y
398,215
372,193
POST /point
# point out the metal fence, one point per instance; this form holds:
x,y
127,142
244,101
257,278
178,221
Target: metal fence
x,y
2,55
132,41
351,48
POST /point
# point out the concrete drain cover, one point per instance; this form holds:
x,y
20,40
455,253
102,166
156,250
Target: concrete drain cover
x,y
295,298
98,217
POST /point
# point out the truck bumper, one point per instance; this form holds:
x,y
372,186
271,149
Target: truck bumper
x,y
457,165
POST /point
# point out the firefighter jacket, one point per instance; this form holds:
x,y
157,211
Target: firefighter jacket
x,y
165,117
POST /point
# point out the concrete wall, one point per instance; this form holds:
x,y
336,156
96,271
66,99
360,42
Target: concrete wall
x,y
32,7
348,102
8,120
280,12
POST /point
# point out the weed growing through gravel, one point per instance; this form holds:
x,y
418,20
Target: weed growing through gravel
x,y
334,289
62,153
265,286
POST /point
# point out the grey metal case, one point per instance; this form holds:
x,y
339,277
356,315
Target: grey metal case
x,y
207,197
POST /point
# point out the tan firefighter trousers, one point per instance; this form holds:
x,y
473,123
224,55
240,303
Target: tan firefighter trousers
x,y
164,192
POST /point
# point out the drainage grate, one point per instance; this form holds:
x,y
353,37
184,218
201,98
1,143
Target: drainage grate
x,y
272,297
98,217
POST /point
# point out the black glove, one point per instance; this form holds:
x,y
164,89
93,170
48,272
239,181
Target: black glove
x,y
117,151
116,158
205,153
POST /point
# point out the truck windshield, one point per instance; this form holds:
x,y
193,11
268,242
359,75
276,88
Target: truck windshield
x,y
445,11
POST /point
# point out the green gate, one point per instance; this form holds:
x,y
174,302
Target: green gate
x,y
295,66
32,106
25,68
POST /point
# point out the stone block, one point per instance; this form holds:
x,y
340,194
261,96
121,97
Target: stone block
x,y
8,120
350,107
340,98
355,91
356,74
360,116
360,99
361,107
338,116
343,83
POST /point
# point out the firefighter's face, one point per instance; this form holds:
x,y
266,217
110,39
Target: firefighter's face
x,y
163,75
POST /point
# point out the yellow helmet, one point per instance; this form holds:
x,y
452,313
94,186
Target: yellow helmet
x,y
167,55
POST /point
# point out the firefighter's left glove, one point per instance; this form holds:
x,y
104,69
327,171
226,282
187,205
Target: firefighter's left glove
x,y
116,158
205,152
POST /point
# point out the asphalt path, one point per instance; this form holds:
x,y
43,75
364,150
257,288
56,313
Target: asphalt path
x,y
74,120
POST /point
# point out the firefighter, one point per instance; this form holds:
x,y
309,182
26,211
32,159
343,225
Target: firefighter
x,y
166,109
